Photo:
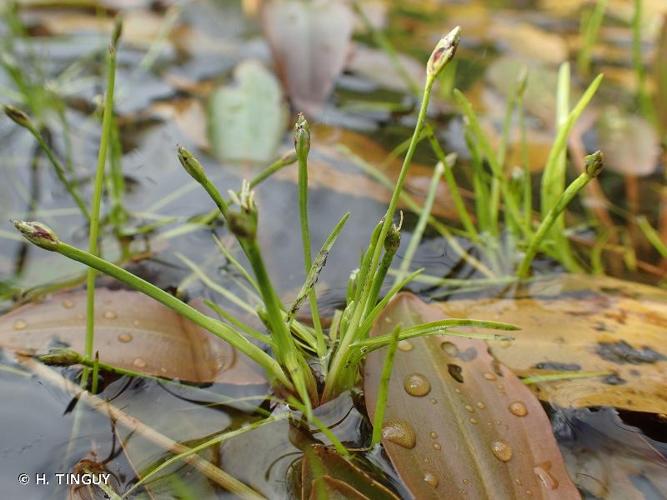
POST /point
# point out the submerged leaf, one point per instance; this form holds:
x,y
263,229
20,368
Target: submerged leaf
x,y
310,42
323,469
584,323
133,332
458,423
247,122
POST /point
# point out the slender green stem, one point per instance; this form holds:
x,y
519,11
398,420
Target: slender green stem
x,y
302,147
417,234
652,236
43,237
442,54
590,27
96,202
383,389
414,207
553,377
22,119
593,168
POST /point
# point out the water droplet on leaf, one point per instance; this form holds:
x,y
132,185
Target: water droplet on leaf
x,y
399,432
501,450
417,385
518,408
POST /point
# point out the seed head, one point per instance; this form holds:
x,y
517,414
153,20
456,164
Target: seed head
x,y
594,164
38,234
443,53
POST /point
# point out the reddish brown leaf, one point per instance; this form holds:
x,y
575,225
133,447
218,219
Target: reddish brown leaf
x,y
131,331
478,431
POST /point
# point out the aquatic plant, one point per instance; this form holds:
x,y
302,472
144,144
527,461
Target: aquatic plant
x,y
292,343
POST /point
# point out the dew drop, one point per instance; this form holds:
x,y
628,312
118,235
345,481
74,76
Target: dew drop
x,y
501,450
469,408
417,385
405,345
434,435
399,432
19,324
434,401
480,405
466,481
489,376
450,348
430,479
457,390
529,493
163,369
518,408
67,304
139,363
125,338
542,473
110,315
517,481
473,420
436,446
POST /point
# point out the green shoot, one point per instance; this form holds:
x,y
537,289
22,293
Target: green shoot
x,y
593,168
96,202
302,147
421,223
383,390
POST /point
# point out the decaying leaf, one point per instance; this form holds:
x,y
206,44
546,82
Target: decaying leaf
x,y
458,423
630,143
309,41
247,121
323,469
131,331
584,323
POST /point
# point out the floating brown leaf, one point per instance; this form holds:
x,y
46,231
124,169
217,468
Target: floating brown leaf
x,y
310,42
458,423
584,323
131,331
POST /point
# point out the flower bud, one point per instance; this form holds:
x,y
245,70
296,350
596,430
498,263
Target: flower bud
x,y
594,164
301,136
443,53
61,357
191,165
38,234
18,116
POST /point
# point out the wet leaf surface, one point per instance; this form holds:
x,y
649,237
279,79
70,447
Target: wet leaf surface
x,y
459,423
247,121
312,52
133,332
584,323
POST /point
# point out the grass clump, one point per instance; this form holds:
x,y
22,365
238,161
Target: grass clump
x,y
294,345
